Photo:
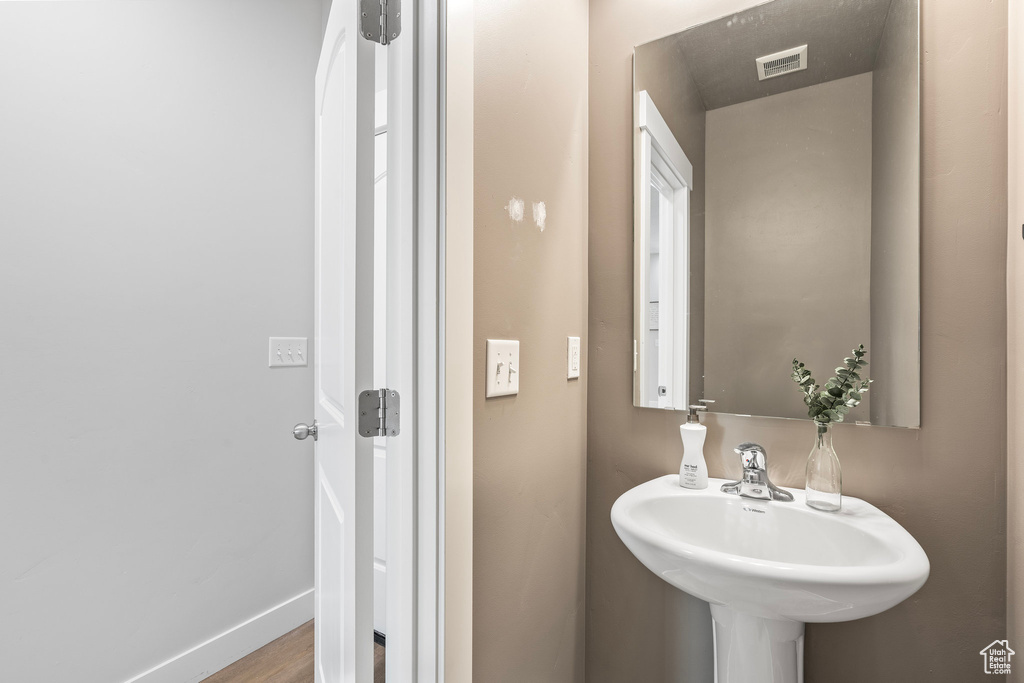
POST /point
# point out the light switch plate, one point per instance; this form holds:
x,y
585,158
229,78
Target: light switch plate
x,y
572,360
288,352
502,367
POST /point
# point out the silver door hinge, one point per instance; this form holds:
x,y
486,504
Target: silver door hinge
x,y
379,413
381,20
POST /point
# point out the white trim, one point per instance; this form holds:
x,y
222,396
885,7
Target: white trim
x,y
430,330
650,120
402,344
211,656
432,511
414,494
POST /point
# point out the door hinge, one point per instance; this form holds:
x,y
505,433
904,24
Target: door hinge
x,y
381,20
379,413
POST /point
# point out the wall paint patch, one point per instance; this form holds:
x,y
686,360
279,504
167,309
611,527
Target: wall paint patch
x,y
540,214
516,209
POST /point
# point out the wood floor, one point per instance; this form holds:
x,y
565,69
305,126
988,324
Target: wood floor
x,y
289,659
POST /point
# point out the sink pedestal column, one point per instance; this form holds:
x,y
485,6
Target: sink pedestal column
x,y
751,649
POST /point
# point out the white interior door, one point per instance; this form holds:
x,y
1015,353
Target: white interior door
x,y
343,342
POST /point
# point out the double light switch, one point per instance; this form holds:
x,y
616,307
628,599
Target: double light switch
x,y
502,367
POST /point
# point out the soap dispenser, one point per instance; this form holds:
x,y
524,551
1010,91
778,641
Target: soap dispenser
x,y
693,471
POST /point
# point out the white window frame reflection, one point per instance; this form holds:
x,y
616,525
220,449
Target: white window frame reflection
x,y
661,329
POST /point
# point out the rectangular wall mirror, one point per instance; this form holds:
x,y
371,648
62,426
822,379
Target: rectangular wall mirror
x,y
777,207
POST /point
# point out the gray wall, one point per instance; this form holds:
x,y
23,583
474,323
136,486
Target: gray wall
x,y
895,217
661,70
156,212
788,243
944,482
530,284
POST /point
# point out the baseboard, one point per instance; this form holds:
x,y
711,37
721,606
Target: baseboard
x,y
216,653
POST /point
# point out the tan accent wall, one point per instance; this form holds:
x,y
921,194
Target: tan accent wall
x,y
458,375
765,238
895,239
1015,333
944,482
530,142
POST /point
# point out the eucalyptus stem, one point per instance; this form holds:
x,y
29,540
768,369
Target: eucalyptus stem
x,y
842,392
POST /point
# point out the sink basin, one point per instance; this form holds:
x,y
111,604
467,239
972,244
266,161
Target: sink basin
x,y
769,567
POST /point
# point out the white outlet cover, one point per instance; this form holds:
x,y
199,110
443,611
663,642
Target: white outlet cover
x,y
572,358
502,369
288,352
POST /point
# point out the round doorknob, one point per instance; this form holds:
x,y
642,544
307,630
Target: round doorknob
x,y
301,431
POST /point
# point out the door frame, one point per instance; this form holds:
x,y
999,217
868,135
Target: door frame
x,y
415,345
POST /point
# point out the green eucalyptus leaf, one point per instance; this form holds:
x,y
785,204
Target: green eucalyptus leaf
x,y
840,394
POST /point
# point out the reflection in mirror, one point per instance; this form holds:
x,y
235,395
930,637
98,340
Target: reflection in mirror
x,y
796,229
664,182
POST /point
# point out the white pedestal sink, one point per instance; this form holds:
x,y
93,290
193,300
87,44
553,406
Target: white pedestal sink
x,y
767,568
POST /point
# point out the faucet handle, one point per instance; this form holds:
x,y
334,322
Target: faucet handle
x,y
753,455
755,482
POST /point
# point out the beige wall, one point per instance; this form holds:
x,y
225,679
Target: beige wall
x,y
788,195
459,376
1015,332
944,482
660,69
895,237
530,124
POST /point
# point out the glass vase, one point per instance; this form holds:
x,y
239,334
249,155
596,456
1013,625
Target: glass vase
x,y
824,485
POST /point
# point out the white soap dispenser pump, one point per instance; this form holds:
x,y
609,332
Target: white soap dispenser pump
x,y
693,470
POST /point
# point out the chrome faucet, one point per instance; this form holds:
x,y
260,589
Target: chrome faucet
x,y
755,482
